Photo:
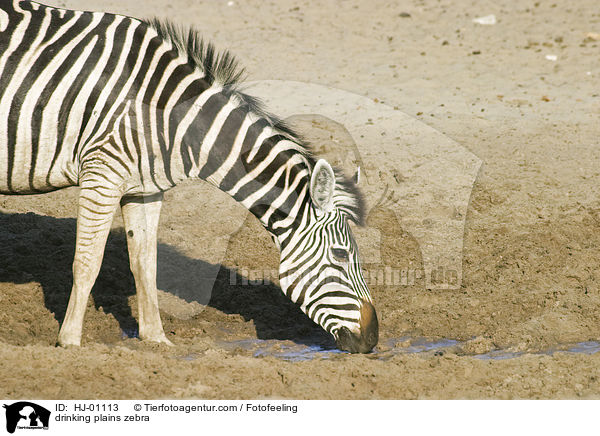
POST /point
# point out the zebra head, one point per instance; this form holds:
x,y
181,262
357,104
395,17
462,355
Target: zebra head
x,y
320,268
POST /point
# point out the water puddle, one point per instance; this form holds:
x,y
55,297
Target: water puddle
x,y
292,352
406,345
589,347
500,355
285,350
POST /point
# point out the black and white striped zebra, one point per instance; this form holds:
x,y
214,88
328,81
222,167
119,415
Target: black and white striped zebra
x,y
127,109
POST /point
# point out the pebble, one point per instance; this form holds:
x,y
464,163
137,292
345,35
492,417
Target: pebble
x,y
592,36
488,20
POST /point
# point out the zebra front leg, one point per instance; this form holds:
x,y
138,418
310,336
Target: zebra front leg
x,y
141,215
97,205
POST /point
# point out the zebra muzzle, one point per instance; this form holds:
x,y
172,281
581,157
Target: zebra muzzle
x,y
366,339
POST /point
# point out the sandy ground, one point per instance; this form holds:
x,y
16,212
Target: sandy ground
x,y
531,240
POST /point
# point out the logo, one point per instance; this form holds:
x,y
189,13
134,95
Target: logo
x,y
26,416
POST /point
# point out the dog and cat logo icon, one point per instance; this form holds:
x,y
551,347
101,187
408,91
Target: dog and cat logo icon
x,y
26,415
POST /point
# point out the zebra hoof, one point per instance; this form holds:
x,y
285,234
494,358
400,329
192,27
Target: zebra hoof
x,y
67,338
162,339
62,343
166,342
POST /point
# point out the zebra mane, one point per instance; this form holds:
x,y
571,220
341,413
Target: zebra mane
x,y
224,69
349,199
347,196
218,67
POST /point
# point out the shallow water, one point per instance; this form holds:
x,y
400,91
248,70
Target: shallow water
x,y
406,345
292,352
589,347
285,350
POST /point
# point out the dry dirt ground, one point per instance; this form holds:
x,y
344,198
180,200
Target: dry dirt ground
x,y
531,242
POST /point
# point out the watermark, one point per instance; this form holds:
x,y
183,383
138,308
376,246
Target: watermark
x,y
417,183
385,276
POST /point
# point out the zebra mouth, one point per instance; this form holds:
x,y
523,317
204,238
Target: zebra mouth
x,y
366,339
353,343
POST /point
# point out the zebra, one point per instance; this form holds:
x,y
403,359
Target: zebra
x,y
127,109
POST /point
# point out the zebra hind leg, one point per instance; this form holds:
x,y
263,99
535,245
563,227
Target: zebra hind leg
x,y
97,205
141,216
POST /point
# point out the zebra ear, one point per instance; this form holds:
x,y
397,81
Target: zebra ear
x,y
356,177
322,185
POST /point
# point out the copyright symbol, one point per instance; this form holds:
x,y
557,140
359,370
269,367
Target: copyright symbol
x,y
137,407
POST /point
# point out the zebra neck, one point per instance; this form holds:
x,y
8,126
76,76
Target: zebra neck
x,y
244,155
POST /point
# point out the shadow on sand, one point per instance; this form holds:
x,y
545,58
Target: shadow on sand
x,y
40,249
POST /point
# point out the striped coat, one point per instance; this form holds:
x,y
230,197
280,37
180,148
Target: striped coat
x,y
127,109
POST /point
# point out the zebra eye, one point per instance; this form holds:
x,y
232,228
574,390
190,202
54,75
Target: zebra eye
x,y
340,254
